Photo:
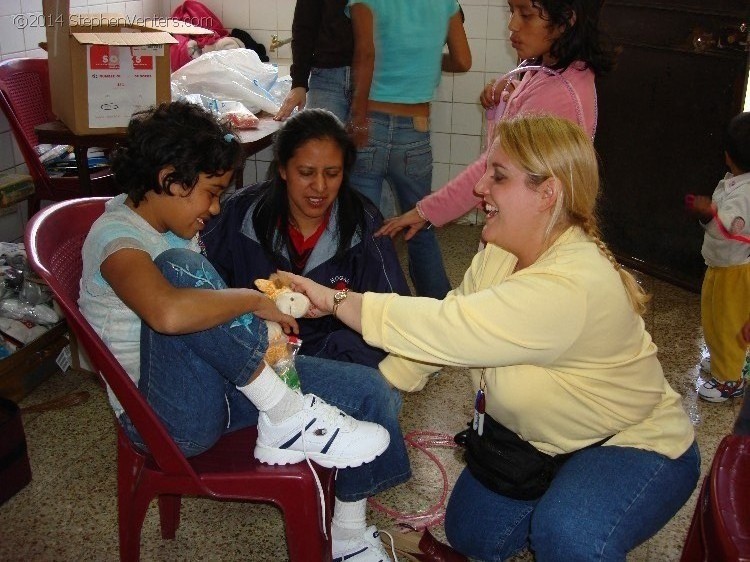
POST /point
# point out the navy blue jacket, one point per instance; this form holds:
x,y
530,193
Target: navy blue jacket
x,y
370,264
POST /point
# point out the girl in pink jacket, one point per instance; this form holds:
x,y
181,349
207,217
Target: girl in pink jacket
x,y
561,36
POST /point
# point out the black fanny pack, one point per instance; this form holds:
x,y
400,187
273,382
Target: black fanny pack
x,y
508,465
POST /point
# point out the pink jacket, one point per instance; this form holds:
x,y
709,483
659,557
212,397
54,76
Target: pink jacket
x,y
537,92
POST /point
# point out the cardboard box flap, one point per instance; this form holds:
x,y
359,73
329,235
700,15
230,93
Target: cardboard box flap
x,y
176,27
125,39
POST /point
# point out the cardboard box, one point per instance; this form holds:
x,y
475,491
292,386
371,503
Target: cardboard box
x,y
105,67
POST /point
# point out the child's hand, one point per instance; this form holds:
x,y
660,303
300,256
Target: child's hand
x,y
321,298
267,310
700,205
745,332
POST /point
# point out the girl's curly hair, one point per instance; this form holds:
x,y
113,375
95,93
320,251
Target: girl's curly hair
x,y
180,136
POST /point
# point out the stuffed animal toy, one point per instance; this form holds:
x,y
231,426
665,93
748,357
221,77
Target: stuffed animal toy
x,y
289,302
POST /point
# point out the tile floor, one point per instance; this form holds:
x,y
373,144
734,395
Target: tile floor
x,y
69,511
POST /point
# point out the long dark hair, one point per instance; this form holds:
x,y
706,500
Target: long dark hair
x,y
178,134
581,41
271,214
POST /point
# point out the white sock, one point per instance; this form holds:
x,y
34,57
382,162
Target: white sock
x,y
271,395
349,519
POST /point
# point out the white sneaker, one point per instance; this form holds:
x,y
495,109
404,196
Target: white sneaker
x,y
366,547
705,364
321,433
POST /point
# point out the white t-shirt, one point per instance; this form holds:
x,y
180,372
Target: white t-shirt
x,y
118,326
732,199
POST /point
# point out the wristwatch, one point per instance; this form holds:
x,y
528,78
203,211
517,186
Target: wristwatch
x,y
338,298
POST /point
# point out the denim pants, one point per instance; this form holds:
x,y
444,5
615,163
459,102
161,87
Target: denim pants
x,y
402,155
189,380
604,502
331,89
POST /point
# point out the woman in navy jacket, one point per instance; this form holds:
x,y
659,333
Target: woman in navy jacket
x,y
307,219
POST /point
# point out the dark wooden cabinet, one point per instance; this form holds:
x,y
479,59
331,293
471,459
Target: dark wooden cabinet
x,y
681,76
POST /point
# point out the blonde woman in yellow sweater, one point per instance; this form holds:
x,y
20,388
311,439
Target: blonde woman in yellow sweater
x,y
551,327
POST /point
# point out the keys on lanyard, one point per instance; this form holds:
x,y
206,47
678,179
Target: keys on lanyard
x,y
479,405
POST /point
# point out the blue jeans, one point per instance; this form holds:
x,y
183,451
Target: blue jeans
x,y
402,155
190,382
331,88
604,502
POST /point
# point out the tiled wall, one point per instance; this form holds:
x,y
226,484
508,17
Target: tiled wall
x,y
456,113
20,37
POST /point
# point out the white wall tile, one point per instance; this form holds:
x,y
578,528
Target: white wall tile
x,y
476,21
236,15
441,147
28,5
497,23
501,56
285,13
216,6
478,48
440,175
444,91
467,87
441,117
467,118
114,7
464,149
11,35
34,34
10,7
263,15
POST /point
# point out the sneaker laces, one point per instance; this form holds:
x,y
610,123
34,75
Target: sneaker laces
x,y
332,415
327,413
393,544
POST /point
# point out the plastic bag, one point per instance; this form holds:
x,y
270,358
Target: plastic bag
x,y
233,74
280,355
238,115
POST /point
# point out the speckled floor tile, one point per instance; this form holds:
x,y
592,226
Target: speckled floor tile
x,y
69,511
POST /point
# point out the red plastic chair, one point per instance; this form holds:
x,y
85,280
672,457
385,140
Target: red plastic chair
x,y
720,528
228,471
25,101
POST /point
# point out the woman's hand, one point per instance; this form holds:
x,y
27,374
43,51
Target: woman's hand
x,y
321,298
410,220
267,310
492,94
297,97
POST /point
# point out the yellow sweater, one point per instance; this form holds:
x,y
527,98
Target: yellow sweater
x,y
568,362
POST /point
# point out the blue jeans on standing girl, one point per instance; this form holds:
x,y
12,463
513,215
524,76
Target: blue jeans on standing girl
x,y
604,502
190,381
402,155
